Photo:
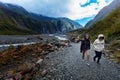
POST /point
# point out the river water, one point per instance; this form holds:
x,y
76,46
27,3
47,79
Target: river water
x,y
17,44
60,36
57,36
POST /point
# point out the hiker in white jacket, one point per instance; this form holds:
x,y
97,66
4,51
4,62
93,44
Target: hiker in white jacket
x,y
99,45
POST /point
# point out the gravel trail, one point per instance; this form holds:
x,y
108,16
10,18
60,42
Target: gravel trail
x,y
67,64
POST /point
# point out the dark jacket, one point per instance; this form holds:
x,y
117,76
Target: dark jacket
x,y
85,45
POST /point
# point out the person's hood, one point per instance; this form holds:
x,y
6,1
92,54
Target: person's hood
x,y
100,35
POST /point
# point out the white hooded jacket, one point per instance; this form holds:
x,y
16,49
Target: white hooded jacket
x,y
99,45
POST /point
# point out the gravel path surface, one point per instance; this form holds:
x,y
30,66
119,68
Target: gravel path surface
x,y
68,65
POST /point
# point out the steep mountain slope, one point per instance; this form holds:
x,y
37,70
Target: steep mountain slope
x,y
16,20
104,12
109,26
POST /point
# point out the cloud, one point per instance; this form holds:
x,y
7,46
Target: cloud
x,y
62,8
78,12
52,8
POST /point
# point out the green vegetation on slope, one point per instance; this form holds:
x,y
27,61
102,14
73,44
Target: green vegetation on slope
x,y
9,22
16,20
109,26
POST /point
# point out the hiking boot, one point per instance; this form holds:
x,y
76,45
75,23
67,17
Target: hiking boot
x,y
88,64
83,60
98,62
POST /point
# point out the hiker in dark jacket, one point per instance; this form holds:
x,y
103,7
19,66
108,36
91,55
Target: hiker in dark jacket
x,y
85,47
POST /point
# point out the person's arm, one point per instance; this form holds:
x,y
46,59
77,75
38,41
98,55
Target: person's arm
x,y
94,44
103,45
89,45
81,47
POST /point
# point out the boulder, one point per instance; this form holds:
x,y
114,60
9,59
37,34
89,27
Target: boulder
x,y
25,68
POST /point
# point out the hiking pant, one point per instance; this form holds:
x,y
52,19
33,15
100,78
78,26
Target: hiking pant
x,y
98,55
87,53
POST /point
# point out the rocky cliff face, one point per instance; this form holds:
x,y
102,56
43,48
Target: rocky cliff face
x,y
16,20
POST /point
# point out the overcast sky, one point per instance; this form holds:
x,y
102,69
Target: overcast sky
x,y
79,10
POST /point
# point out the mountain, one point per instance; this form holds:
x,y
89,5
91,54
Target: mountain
x,y
15,19
109,26
104,12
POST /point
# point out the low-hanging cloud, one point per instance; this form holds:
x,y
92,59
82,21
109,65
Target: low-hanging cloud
x,y
62,8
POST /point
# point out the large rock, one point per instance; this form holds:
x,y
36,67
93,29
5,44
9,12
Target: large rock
x,y
26,67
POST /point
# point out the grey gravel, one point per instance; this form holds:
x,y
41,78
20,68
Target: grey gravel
x,y
68,65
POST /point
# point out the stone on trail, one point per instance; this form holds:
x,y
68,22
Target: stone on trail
x,y
43,73
39,61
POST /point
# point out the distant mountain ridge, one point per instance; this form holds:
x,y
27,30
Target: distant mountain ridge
x,y
104,12
15,19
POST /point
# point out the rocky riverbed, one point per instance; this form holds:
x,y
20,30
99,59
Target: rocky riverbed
x,y
53,60
20,62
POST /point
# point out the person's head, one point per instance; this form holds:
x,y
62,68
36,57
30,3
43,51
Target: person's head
x,y
101,37
86,37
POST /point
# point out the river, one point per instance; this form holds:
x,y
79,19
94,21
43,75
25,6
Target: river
x,y
56,36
